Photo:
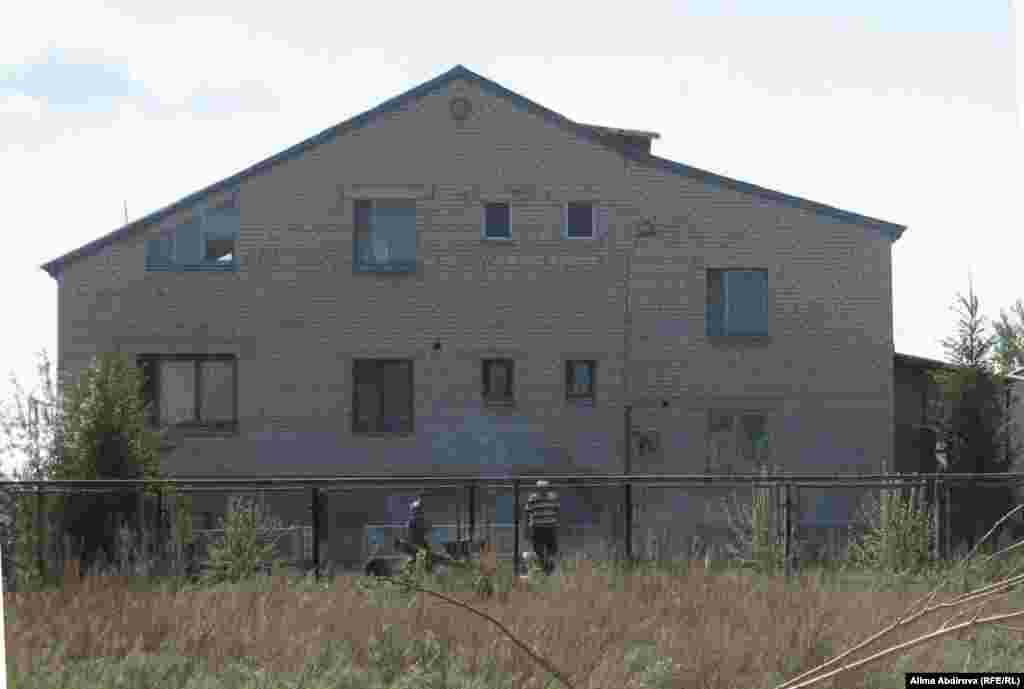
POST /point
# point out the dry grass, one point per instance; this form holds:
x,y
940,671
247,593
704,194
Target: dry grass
x,y
711,629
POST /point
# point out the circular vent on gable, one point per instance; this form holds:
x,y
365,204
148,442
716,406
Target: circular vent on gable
x,y
461,109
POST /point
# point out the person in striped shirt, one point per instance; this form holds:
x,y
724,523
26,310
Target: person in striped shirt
x,y
542,522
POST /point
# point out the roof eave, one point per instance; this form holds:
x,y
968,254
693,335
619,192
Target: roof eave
x,y
892,231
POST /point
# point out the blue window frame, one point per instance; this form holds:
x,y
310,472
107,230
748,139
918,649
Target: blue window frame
x,y
579,220
737,302
205,242
497,221
385,236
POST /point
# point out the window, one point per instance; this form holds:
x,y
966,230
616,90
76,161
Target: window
x,y
385,236
498,388
383,390
497,221
197,391
737,441
206,242
579,220
579,380
737,302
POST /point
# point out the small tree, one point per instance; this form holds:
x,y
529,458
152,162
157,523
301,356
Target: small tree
x,y
95,429
104,435
976,426
239,553
30,426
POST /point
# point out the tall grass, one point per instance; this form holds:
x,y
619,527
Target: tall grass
x,y
678,624
898,536
754,530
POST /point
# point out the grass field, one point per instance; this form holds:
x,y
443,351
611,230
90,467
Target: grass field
x,y
681,625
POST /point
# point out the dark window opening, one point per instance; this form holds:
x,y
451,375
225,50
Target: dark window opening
x,y
220,249
383,401
580,217
579,380
497,221
190,391
498,384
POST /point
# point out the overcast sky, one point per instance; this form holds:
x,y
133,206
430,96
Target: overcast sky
x,y
906,111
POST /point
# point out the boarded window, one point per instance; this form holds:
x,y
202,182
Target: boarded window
x,y
737,302
737,441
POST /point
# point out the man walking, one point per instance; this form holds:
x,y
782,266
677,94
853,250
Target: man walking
x,y
417,525
542,521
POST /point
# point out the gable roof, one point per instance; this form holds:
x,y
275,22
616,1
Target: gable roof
x,y
592,133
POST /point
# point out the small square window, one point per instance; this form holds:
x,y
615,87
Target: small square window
x,y
497,221
498,384
580,219
579,380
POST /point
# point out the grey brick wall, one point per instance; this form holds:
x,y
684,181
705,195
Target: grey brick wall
x,y
296,315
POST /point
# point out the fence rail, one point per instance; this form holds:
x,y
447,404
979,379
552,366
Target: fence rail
x,y
935,492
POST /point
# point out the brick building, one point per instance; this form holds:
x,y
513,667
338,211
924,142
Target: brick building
x,y
439,285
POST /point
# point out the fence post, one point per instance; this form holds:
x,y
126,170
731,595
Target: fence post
x,y
629,523
949,518
140,521
472,513
10,545
515,527
315,507
786,545
40,535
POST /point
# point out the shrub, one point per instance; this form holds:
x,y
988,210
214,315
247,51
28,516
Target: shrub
x,y
753,540
897,537
239,553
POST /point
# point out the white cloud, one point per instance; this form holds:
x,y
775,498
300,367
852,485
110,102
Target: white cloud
x,y
18,105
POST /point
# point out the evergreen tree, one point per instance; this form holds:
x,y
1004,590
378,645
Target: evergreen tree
x,y
976,424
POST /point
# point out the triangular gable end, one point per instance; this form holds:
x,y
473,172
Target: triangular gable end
x,y
591,133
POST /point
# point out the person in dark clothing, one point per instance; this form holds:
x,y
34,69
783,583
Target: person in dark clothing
x,y
417,528
542,512
417,525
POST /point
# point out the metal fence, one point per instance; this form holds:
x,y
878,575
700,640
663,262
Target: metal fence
x,y
338,519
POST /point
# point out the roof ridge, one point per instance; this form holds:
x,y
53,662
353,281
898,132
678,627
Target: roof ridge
x,y
459,71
